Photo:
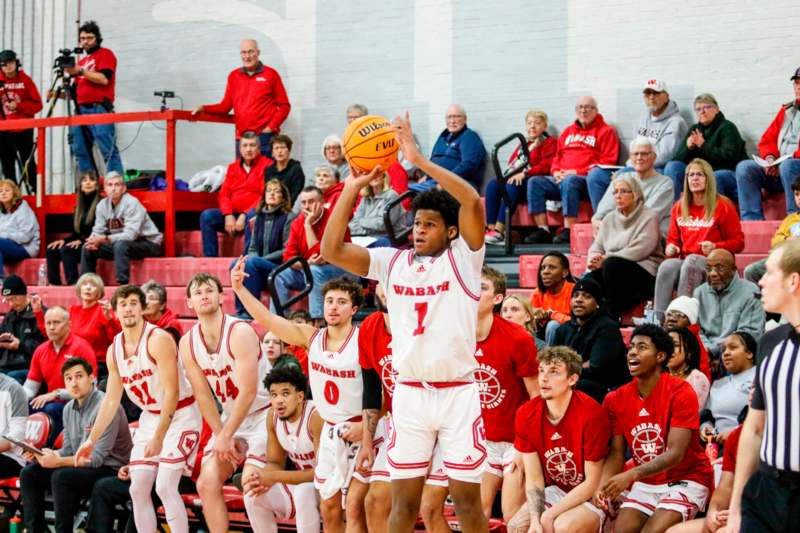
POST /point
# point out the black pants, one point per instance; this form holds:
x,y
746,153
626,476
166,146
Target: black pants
x,y
15,144
68,485
70,258
770,503
121,252
625,284
8,467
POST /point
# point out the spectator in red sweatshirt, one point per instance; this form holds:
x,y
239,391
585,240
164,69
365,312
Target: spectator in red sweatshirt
x,y
93,319
156,311
256,94
702,220
19,98
240,193
587,142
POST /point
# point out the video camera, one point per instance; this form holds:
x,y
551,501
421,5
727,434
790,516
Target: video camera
x,y
66,57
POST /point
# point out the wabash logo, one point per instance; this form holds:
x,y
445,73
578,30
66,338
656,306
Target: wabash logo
x,y
429,290
647,442
561,467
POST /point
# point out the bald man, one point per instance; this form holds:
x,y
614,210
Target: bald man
x,y
257,97
727,302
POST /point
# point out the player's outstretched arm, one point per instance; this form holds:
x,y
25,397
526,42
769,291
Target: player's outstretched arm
x,y
471,216
346,255
162,347
288,332
200,387
106,413
244,346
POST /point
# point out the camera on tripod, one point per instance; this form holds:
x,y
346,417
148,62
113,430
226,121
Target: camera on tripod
x,y
66,58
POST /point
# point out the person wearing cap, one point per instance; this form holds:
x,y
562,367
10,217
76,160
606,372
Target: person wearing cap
x,y
662,124
682,313
19,98
780,140
714,139
19,333
596,337
727,303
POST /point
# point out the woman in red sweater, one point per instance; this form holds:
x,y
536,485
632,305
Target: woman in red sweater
x,y
551,299
701,221
92,319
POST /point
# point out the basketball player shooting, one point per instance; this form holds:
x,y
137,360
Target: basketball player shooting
x,y
432,298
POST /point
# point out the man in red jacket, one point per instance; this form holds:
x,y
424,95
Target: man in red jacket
x,y
240,193
780,148
19,98
587,142
255,93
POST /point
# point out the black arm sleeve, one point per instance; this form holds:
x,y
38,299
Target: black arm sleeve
x,y
373,390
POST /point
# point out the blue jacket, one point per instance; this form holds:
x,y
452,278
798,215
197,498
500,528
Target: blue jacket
x,y
462,153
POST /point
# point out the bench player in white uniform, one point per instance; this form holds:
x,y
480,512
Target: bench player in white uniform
x,y
143,361
432,296
336,387
222,357
294,428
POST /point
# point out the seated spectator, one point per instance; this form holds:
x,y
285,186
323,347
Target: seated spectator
x,y
729,394
663,126
542,149
781,139
19,229
682,313
701,221
156,311
624,257
368,221
551,297
122,231
55,471
270,233
727,303
458,149
327,179
684,363
287,170
240,192
714,139
789,229
585,143
93,320
596,337
19,333
656,188
355,111
67,251
13,420
274,349
45,371
333,155
518,310
304,240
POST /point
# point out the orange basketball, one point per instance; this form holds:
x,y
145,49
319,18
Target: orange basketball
x,y
369,141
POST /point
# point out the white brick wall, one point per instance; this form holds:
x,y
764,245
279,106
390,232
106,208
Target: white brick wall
x,y
496,58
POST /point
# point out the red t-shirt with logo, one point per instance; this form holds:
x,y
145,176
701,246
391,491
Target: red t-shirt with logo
x,y
89,92
731,446
645,424
375,352
46,362
581,435
506,356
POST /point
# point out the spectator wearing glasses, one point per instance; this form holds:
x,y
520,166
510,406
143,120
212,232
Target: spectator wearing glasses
x,y
714,139
333,154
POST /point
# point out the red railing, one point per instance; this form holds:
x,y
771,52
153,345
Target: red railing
x,y
168,202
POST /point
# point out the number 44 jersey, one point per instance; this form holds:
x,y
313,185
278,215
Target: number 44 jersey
x,y
335,377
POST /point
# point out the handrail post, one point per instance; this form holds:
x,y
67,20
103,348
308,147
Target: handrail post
x,y
169,216
41,184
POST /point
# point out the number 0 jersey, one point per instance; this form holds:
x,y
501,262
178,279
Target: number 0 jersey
x,y
433,310
335,377
139,373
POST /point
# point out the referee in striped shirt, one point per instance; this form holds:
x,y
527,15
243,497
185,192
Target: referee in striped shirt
x,y
766,488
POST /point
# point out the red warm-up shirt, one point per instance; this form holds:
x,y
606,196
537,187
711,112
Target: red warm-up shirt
x,y
92,93
46,362
540,159
331,196
579,148
169,321
645,425
506,356
724,228
258,100
23,91
242,189
297,244
93,326
768,145
731,448
375,352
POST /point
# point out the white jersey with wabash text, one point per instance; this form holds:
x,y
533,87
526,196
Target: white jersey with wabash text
x,y
219,366
139,373
433,310
295,438
335,377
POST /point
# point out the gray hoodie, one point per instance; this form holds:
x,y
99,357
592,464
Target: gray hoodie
x,y
666,131
21,226
127,221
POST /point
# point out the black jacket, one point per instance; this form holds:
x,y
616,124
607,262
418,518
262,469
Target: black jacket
x,y
23,326
292,176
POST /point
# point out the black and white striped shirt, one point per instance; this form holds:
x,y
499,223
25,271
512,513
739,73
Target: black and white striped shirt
x,y
777,391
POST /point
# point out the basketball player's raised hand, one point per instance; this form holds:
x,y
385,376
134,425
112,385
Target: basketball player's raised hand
x,y
359,179
405,137
238,274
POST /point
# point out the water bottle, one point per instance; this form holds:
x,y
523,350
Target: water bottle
x,y
649,313
42,275
14,525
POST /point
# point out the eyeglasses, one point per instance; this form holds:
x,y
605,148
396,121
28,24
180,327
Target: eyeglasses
x,y
585,107
454,117
704,108
333,148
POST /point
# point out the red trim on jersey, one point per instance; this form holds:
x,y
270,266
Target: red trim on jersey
x,y
221,334
344,344
392,261
472,295
299,424
147,346
191,344
138,343
312,337
308,426
228,339
435,384
189,400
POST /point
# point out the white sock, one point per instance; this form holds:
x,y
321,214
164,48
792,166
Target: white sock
x,y
167,483
144,514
